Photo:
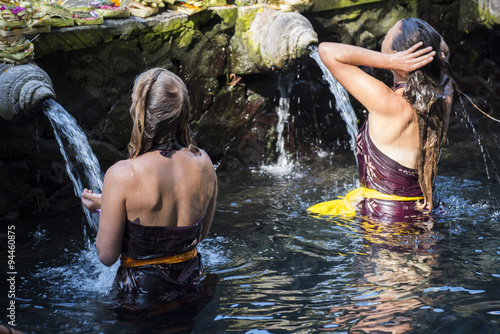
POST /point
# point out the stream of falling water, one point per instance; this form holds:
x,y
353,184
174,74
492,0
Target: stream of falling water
x,y
342,102
486,155
284,165
81,163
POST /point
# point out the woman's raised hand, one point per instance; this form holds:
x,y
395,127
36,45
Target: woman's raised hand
x,y
407,61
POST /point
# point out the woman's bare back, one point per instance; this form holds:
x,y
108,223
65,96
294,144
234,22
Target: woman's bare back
x,y
173,191
396,135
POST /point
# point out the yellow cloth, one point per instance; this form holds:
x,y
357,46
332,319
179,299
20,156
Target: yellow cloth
x,y
127,262
344,206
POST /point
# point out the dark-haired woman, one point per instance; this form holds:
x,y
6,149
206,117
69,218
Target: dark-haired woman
x,y
158,205
398,146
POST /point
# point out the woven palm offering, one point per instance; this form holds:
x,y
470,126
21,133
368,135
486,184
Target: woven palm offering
x,y
14,18
15,50
38,20
154,3
140,10
216,3
145,8
14,22
55,8
56,13
112,8
86,16
188,7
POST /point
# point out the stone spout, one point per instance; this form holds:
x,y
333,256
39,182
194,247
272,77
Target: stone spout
x,y
23,88
280,37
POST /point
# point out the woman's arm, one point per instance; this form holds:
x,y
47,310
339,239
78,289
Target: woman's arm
x,y
209,216
113,213
343,60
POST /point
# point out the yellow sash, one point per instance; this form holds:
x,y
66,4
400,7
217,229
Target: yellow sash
x,y
127,262
344,206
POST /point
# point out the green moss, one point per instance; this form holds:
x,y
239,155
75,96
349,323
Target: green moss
x,y
487,17
150,42
243,3
188,38
475,13
171,26
369,28
210,85
50,43
107,38
130,33
228,15
246,15
324,5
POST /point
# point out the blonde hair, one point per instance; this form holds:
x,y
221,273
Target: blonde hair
x,y
160,112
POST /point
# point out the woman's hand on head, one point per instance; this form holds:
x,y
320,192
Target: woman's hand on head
x,y
407,61
90,200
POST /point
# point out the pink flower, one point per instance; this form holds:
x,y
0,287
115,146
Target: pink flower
x,y
2,7
17,10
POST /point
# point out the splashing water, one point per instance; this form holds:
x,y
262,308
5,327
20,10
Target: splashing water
x,y
283,166
81,164
84,276
484,151
342,102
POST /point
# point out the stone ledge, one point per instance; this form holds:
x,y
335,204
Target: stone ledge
x,y
321,6
84,37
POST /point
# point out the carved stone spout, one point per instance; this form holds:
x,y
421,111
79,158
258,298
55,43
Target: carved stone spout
x,y
22,90
266,39
281,36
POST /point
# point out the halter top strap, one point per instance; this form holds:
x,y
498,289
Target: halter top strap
x,y
167,147
398,86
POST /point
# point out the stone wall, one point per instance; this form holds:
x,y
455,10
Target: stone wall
x,y
234,98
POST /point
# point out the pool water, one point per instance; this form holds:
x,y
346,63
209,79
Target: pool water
x,y
278,270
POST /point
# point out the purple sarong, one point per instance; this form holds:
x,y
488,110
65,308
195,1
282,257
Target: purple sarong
x,y
379,172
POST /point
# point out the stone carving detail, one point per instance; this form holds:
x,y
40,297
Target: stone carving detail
x,y
23,88
281,36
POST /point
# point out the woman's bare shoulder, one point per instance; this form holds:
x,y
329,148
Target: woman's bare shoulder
x,y
202,161
122,170
118,180
206,159
201,156
204,155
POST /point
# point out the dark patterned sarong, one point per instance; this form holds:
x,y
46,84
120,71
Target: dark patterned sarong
x,y
379,172
150,242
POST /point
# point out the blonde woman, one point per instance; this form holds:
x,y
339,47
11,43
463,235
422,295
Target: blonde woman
x,y
158,205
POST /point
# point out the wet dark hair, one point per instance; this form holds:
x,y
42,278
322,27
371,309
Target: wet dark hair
x,y
425,92
160,112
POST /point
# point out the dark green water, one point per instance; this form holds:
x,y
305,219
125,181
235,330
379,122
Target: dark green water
x,y
281,271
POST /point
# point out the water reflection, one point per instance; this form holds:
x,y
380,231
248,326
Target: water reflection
x,y
400,261
281,271
170,312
